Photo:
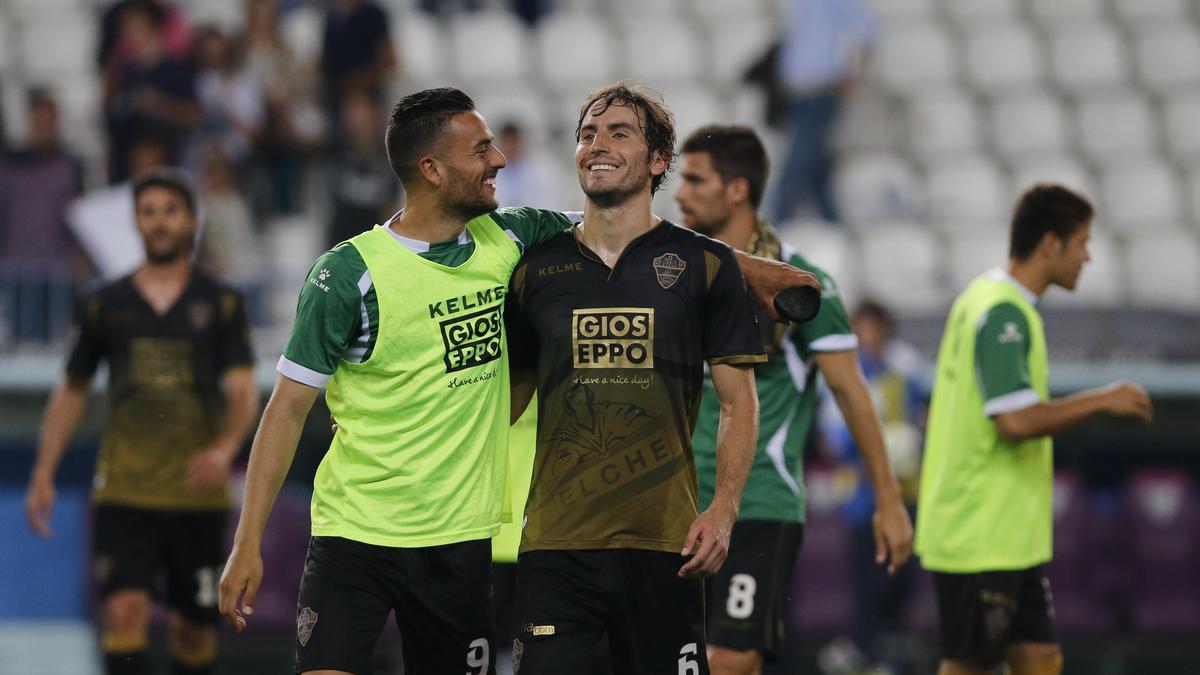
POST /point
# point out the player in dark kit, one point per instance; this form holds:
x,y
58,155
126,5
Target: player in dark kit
x,y
618,316
173,338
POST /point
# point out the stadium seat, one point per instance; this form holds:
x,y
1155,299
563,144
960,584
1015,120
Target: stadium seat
x,y
973,251
1141,194
658,11
1061,169
80,114
979,12
1163,517
1180,114
1079,606
943,123
662,53
520,103
734,45
1102,284
1168,55
1163,268
892,10
868,123
228,15
715,12
915,54
901,264
6,57
1193,192
694,106
302,30
1003,55
567,67
1028,123
877,187
1132,11
1064,11
830,248
965,191
54,45
1086,56
507,55
421,45
1112,126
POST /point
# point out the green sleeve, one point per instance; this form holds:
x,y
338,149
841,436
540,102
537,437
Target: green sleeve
x,y
829,330
1002,360
329,316
530,226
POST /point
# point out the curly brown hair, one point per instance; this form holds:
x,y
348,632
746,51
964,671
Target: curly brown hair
x,y
658,123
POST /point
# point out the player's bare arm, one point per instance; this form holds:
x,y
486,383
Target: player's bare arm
x,y
737,435
210,467
59,422
1124,399
270,457
892,525
766,277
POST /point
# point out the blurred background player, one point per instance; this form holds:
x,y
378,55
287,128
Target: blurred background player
x,y
614,321
174,340
724,171
877,600
985,512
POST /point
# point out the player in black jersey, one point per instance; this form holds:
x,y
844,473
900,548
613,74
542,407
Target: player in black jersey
x,y
173,338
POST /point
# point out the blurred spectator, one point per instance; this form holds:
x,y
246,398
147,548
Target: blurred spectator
x,y
114,51
293,124
230,98
152,93
357,49
892,369
824,48
39,259
230,246
525,181
363,189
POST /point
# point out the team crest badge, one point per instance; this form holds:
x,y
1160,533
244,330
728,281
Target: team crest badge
x,y
305,621
518,650
668,267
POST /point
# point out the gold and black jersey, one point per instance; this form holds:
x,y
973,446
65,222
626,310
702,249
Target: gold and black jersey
x,y
619,355
164,375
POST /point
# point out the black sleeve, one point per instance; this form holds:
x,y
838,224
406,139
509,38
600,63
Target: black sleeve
x,y
522,339
731,333
89,345
233,333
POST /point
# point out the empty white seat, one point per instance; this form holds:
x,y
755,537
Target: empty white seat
x,y
1193,192
901,266
1168,55
973,252
1063,11
1180,116
228,15
1113,125
420,43
1141,194
829,247
1087,56
1003,55
54,45
659,11
979,11
877,187
714,12
661,52
1101,284
890,10
1163,270
693,107
568,66
943,123
915,54
490,46
868,123
734,45
1130,11
1029,122
303,28
519,103
969,190
1061,169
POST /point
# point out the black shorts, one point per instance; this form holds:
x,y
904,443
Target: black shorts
x,y
133,546
568,600
747,598
985,612
441,596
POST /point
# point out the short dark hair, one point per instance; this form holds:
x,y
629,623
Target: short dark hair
x,y
736,152
169,179
870,308
417,122
1046,208
658,124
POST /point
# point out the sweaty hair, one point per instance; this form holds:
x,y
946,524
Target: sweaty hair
x,y
658,124
1045,208
735,152
417,122
168,179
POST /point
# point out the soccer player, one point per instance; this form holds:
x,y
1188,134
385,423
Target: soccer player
x,y
173,338
617,316
984,510
724,171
